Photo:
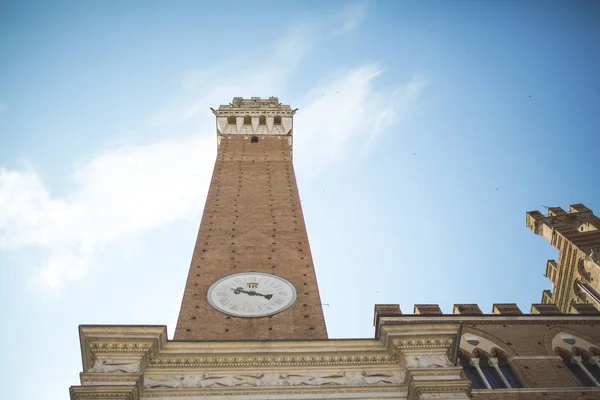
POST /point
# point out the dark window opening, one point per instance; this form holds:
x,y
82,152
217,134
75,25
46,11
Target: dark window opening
x,y
247,120
262,120
231,120
277,120
254,139
575,369
471,374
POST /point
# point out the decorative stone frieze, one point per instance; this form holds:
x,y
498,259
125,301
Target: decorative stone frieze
x,y
141,359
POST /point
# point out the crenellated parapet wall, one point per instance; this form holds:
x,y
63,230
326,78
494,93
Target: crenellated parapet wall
x,y
504,309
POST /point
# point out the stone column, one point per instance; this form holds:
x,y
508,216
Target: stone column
x,y
493,362
475,363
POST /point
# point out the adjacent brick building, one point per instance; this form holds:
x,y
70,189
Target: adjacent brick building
x,y
576,276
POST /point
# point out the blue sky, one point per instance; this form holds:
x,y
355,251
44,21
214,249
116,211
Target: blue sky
x,y
452,120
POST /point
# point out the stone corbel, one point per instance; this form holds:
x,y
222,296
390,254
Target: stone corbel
x,y
270,123
239,123
255,122
286,124
222,124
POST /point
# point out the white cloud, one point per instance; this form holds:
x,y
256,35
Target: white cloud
x,y
350,18
115,194
127,190
347,111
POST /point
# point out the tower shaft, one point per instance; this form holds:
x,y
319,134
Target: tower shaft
x,y
252,222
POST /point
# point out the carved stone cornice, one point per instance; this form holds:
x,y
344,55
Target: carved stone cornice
x,y
91,378
434,389
392,393
432,343
113,392
99,347
142,357
245,360
133,342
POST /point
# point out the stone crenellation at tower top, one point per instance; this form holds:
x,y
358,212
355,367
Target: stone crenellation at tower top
x,y
254,103
254,116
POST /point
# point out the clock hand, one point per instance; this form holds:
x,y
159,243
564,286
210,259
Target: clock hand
x,y
251,293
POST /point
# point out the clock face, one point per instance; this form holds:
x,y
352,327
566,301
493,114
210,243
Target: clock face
x,y
251,294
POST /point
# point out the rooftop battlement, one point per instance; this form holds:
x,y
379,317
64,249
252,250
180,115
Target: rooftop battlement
x,y
253,105
254,116
498,309
390,314
579,218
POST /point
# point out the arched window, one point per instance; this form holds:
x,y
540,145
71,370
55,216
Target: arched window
x,y
231,120
489,368
277,120
247,120
262,120
577,365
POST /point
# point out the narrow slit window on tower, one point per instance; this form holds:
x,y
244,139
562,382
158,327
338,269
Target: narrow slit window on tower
x,y
262,120
254,139
277,120
247,120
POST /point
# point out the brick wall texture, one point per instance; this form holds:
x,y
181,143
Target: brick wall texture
x,y
252,221
528,346
499,395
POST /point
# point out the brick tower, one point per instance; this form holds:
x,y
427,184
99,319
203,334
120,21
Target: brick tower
x,y
576,276
251,275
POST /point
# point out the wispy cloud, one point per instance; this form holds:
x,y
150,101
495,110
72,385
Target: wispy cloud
x,y
346,111
114,194
127,190
349,18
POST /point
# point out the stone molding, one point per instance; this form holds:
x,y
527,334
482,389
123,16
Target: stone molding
x,y
113,392
129,362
